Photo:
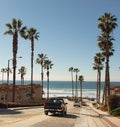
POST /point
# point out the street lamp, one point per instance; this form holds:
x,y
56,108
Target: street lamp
x,y
9,69
8,78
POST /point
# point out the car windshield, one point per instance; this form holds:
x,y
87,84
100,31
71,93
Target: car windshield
x,y
54,100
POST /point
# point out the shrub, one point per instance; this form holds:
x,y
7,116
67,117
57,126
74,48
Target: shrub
x,y
115,112
104,108
113,102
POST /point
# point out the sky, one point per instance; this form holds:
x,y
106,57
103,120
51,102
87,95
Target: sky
x,y
68,36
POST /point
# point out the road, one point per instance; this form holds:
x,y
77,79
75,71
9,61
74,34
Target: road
x,y
60,121
35,117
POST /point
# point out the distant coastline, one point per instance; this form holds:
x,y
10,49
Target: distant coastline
x,y
64,88
18,82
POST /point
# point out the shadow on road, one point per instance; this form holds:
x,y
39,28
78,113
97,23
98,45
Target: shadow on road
x,y
89,115
65,116
9,111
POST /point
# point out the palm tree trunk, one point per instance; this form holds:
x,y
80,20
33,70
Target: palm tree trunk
x,y
76,87
47,83
108,79
14,83
99,87
21,79
106,85
103,98
81,90
72,85
2,77
32,55
42,80
15,47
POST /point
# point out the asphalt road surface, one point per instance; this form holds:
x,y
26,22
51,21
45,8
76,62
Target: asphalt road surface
x,y
58,120
34,117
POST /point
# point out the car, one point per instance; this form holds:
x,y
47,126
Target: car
x,y
77,103
55,105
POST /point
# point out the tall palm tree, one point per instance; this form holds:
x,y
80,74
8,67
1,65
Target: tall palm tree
x,y
32,34
48,65
40,60
8,71
71,69
107,23
22,72
98,59
3,70
81,79
76,70
14,29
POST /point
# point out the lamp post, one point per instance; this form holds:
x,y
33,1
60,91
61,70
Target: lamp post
x,y
8,76
8,71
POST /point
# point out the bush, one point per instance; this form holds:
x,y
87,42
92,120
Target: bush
x,y
115,112
104,108
113,102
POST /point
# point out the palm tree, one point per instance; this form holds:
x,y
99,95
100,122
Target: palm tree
x,y
40,60
14,29
107,23
22,72
32,34
8,71
48,65
3,70
98,59
81,79
71,69
76,70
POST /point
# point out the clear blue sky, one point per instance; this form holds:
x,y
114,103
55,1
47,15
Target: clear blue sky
x,y
68,35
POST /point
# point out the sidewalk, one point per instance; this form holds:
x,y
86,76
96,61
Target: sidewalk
x,y
111,120
92,117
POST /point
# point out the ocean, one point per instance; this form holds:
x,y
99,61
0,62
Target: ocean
x,y
64,88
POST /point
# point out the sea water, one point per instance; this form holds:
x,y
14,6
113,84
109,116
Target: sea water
x,y
64,88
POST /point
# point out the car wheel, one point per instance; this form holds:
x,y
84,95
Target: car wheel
x,y
46,113
64,113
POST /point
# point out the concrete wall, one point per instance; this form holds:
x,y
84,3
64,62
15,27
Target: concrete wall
x,y
22,94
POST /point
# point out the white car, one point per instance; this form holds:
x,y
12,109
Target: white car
x,y
76,103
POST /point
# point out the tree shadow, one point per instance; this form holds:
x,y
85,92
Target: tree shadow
x,y
9,112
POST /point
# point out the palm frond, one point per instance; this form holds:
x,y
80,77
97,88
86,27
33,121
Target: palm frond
x,y
9,32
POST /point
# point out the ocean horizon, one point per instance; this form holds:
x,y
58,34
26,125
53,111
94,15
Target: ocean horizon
x,y
64,88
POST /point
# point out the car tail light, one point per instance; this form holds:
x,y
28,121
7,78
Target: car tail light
x,y
62,105
44,104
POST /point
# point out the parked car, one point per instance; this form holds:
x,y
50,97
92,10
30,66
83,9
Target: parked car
x,y
83,103
55,105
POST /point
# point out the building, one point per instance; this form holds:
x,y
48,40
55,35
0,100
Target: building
x,y
22,94
115,90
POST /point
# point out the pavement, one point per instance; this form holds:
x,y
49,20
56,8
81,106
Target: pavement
x,y
89,116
